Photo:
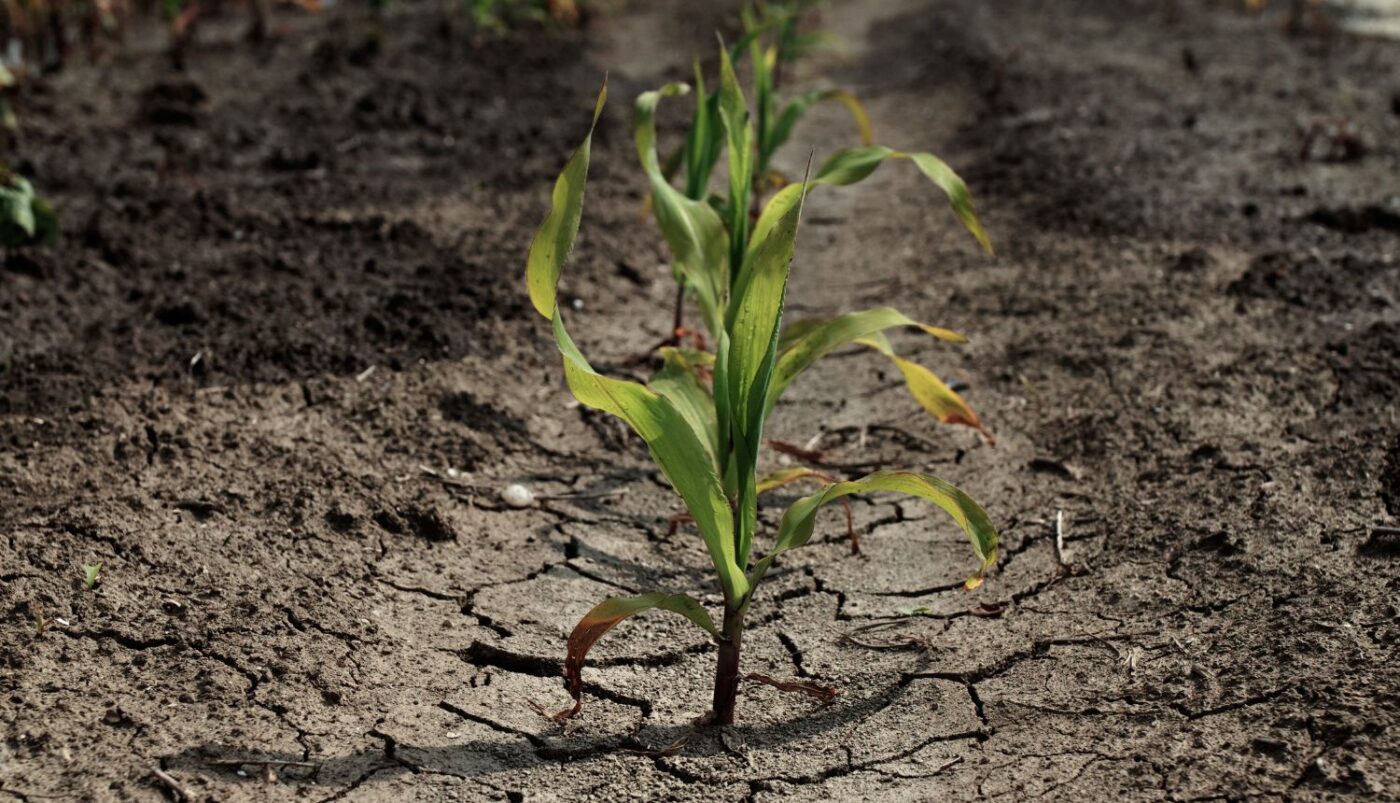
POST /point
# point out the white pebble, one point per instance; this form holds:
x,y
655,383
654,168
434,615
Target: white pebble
x,y
517,495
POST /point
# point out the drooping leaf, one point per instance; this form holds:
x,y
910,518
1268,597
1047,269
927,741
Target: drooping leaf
x,y
855,164
555,237
819,338
787,476
952,185
693,230
608,613
797,524
941,401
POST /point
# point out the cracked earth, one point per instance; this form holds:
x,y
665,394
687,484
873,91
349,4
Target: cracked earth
x,y
1188,346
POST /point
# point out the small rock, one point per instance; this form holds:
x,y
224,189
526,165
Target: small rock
x,y
517,495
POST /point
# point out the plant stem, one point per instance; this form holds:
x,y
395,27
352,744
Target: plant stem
x,y
727,666
678,321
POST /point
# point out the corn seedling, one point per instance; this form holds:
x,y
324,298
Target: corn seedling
x,y
703,415
91,575
25,218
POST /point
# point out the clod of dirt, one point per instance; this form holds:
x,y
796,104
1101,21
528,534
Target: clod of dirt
x,y
172,103
1390,478
1383,543
1307,280
1193,260
429,523
1356,220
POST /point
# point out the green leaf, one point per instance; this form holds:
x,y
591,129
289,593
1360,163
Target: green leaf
x,y
941,401
679,381
798,522
739,136
90,574
855,164
702,141
753,326
952,185
608,613
693,230
819,338
676,447
555,237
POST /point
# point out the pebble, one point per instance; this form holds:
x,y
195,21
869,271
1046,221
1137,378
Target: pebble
x,y
517,495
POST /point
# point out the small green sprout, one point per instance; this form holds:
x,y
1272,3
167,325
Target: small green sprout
x,y
41,622
703,415
90,575
25,218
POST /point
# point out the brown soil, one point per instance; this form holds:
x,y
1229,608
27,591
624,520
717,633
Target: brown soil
x,y
1188,345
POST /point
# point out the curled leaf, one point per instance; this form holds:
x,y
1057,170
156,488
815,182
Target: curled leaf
x,y
608,613
825,694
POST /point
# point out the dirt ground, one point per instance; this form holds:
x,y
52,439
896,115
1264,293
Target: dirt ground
x,y
292,280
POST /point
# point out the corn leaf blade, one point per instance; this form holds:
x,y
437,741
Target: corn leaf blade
x,y
693,230
800,519
554,239
739,137
796,108
852,165
680,383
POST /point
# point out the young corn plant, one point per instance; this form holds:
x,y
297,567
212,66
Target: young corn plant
x,y
703,415
721,122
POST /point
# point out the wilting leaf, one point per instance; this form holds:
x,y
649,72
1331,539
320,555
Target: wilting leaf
x,y
855,164
927,389
808,341
608,613
693,230
952,185
555,237
797,524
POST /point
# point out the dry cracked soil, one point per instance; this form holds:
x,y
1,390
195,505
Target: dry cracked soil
x,y
290,298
